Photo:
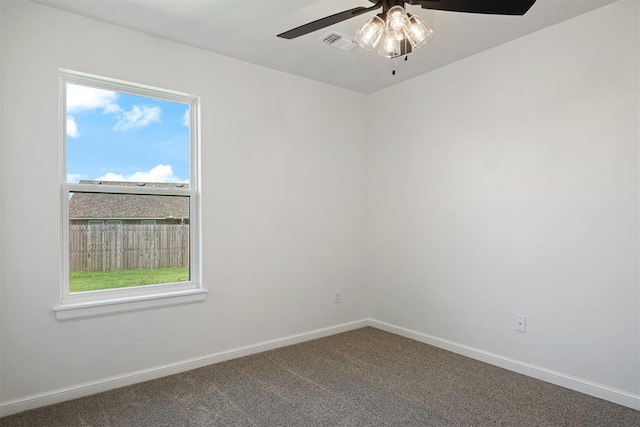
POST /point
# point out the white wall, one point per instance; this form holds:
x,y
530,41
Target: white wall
x,y
283,190
507,183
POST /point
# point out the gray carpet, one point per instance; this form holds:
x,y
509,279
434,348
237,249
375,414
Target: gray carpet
x,y
365,377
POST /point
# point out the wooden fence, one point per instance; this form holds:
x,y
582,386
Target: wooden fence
x,y
127,246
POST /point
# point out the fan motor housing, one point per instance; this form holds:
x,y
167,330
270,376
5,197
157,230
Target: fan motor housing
x,y
388,4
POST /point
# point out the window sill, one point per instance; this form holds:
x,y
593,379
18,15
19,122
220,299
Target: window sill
x,y
120,305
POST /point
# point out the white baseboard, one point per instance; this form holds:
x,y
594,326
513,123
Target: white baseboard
x,y
86,389
578,384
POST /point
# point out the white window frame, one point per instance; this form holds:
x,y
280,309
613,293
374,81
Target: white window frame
x,y
109,301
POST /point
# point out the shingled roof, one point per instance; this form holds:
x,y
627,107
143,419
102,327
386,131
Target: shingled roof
x,y
128,206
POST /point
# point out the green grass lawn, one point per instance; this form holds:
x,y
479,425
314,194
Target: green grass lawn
x,y
82,281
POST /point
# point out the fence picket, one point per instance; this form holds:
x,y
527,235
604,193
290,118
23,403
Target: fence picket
x,y
127,246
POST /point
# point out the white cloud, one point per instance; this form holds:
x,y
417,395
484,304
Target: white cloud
x,y
160,173
185,118
112,108
138,117
75,177
87,98
83,98
72,127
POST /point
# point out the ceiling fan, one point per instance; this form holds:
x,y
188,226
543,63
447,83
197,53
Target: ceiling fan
x,y
397,32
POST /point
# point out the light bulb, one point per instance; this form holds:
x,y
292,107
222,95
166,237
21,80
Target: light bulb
x,y
369,34
418,33
397,24
390,48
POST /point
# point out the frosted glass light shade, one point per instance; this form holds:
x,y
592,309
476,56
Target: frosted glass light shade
x,y
418,32
397,25
389,47
369,34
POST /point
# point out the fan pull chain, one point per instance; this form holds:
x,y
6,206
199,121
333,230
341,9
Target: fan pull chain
x,y
406,58
406,55
393,72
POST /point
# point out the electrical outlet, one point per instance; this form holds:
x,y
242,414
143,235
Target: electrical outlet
x,y
337,299
521,323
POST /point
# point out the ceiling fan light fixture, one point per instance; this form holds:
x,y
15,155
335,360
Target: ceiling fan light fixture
x,y
397,24
419,33
369,34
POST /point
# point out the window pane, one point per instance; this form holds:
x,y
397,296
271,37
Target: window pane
x,y
133,253
117,136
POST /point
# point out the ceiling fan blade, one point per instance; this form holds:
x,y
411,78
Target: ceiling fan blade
x,y
327,21
494,7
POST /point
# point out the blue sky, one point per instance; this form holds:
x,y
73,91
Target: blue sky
x,y
115,136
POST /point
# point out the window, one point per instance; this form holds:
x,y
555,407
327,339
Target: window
x,y
129,154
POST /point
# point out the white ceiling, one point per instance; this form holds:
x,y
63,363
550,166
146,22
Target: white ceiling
x,y
246,30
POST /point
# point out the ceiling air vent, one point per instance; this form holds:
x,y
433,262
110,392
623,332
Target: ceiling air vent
x,y
338,41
